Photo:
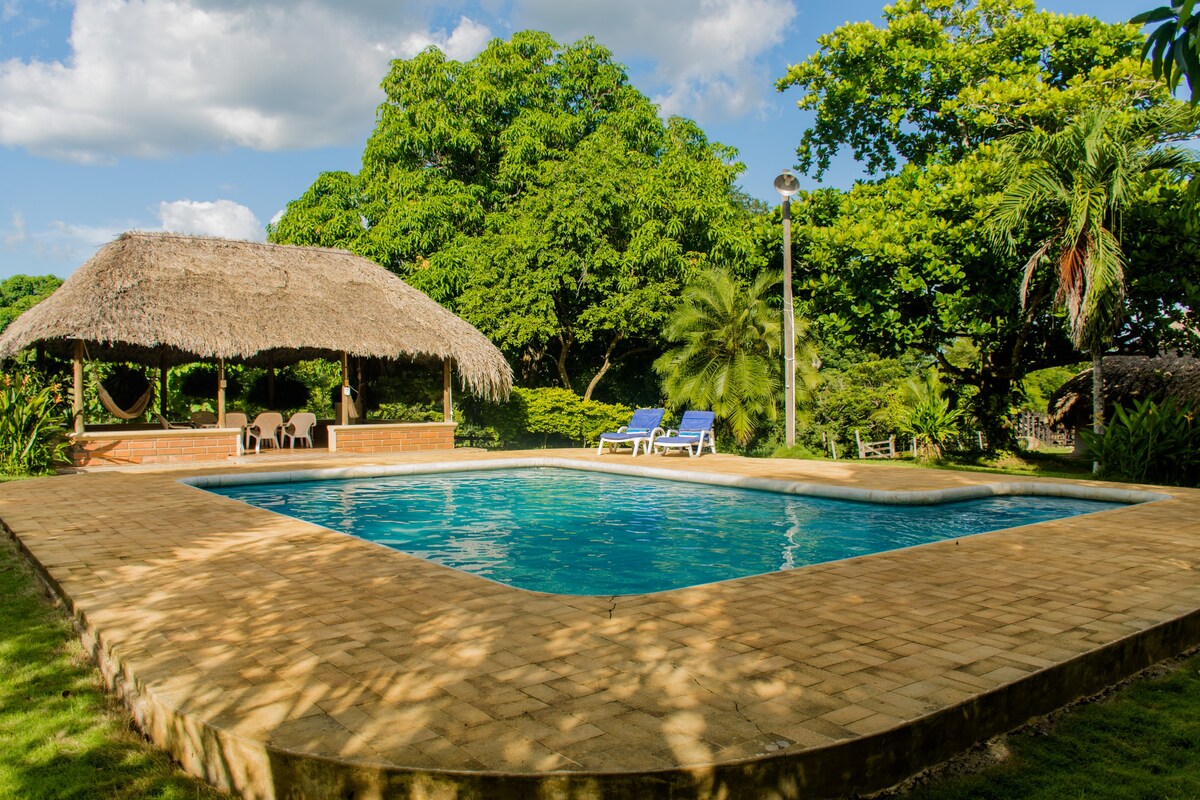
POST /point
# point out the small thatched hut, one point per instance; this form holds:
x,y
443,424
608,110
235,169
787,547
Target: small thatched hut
x,y
162,299
1126,378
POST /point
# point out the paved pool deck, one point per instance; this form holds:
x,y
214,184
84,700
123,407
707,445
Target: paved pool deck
x,y
283,660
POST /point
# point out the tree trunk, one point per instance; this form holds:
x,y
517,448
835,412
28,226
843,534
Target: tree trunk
x,y
561,363
608,362
1097,396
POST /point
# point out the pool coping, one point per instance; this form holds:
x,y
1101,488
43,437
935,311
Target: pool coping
x,y
1034,488
866,760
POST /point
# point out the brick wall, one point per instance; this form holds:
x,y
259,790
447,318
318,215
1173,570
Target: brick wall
x,y
153,447
391,438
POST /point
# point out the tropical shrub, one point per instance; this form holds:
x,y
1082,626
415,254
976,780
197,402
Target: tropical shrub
x,y
33,425
406,412
927,417
552,413
1150,443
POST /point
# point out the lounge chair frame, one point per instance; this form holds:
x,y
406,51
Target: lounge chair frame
x,y
641,437
689,438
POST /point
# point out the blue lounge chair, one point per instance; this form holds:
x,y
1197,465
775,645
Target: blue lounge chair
x,y
695,431
640,432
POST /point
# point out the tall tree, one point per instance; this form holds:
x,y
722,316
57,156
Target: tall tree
x,y
536,192
1079,182
923,100
943,76
728,339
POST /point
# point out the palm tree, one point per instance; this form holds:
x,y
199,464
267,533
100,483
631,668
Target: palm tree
x,y
727,358
1078,181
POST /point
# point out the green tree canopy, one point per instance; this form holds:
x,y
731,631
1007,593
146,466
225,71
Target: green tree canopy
x,y
537,193
20,293
903,262
943,76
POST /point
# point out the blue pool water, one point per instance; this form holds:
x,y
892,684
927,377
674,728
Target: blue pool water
x,y
585,533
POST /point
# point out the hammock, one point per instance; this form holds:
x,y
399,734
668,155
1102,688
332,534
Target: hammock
x,y
136,410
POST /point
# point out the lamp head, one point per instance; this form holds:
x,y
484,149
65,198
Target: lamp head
x,y
786,184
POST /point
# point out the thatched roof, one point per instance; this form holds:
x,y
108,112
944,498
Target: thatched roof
x,y
1126,378
165,298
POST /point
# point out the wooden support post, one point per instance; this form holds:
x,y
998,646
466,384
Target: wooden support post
x,y
221,393
345,389
447,401
162,390
77,387
360,414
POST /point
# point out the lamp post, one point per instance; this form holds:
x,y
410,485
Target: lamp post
x,y
787,186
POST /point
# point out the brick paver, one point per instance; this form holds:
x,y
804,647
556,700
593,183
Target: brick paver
x,y
288,637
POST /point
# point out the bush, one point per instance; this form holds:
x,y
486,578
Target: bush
x,y
558,413
33,425
1151,443
927,417
404,412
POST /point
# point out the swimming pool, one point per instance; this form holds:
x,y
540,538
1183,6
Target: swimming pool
x,y
586,533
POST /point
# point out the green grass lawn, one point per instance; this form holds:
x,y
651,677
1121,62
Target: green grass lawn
x,y
1140,743
61,736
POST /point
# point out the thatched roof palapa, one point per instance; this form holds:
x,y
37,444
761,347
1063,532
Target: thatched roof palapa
x,y
160,298
1126,378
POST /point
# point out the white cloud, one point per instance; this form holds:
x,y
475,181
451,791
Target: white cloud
x,y
16,234
153,78
461,44
156,77
707,58
223,218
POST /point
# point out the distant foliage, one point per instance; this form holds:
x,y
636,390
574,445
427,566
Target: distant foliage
x,y
20,293
1150,443
33,425
1040,384
855,393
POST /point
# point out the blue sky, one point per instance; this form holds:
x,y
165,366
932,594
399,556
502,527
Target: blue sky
x,y
208,116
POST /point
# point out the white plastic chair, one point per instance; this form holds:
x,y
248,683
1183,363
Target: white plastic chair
x,y
265,428
300,426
